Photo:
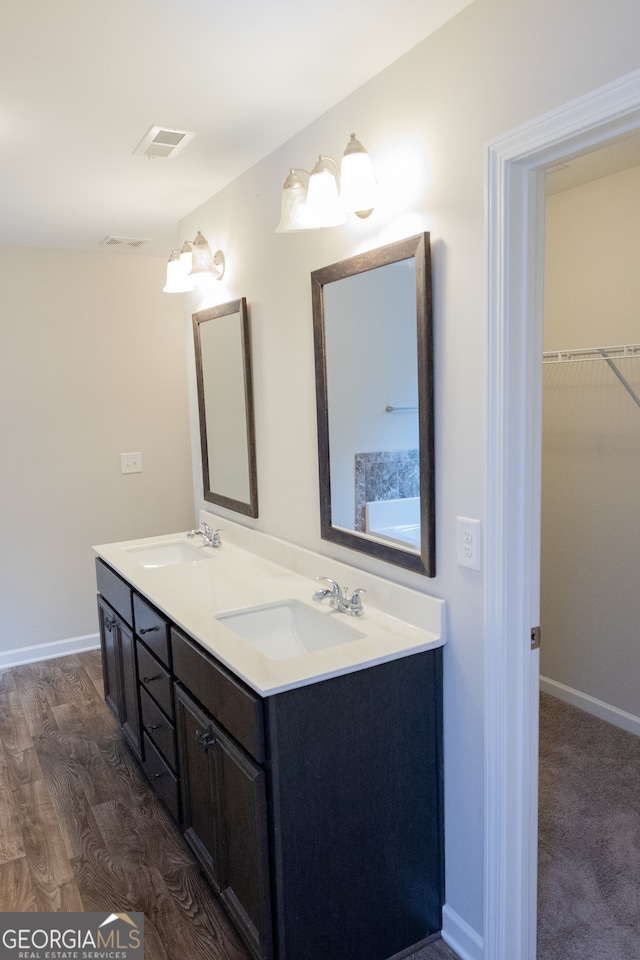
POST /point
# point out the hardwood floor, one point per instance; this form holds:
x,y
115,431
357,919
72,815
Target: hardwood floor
x,y
81,830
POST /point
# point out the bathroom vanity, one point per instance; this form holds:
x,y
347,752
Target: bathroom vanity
x,y
309,786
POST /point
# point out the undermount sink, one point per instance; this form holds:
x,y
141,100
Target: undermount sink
x,y
169,553
288,628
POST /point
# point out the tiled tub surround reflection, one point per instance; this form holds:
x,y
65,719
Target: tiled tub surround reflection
x,y
384,475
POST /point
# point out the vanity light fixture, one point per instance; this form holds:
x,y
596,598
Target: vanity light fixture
x,y
330,193
193,261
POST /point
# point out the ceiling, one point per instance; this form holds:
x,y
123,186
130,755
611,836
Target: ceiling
x,y
81,82
613,156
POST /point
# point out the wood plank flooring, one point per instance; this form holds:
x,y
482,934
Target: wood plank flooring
x,y
81,830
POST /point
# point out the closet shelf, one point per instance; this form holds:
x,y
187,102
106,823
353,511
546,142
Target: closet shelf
x,y
592,353
608,354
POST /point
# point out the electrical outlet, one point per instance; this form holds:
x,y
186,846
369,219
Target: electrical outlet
x,y
468,543
131,462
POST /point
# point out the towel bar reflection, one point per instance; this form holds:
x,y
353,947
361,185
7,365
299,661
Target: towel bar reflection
x,y
390,409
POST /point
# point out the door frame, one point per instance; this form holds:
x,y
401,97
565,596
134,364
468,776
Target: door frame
x,y
515,250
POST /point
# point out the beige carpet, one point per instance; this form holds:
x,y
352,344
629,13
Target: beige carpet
x,y
589,837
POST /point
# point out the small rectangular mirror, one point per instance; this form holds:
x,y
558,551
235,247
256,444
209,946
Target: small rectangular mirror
x,y
374,393
225,404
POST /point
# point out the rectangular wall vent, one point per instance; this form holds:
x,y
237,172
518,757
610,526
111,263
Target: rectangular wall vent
x,y
133,242
162,142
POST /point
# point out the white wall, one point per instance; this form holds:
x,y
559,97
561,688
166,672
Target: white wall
x,y
591,445
425,121
91,365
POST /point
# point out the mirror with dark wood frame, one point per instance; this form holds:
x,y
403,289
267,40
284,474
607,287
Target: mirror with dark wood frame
x,y
225,405
373,343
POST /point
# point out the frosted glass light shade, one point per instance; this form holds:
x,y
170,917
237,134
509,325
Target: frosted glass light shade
x,y
186,257
293,205
201,257
324,208
176,281
359,184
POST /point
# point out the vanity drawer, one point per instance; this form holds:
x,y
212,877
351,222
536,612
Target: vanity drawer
x,y
115,591
152,628
157,727
164,781
154,678
228,700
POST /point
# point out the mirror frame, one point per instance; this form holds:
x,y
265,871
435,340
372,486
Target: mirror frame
x,y
417,247
250,508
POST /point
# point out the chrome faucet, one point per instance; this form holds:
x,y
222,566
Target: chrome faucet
x,y
210,539
339,598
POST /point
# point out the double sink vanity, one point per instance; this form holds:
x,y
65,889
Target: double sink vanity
x,y
298,744
298,749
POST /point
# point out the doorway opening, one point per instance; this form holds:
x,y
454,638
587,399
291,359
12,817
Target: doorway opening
x,y
516,166
589,769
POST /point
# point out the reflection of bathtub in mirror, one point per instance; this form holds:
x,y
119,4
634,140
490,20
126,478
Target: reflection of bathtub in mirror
x,y
397,520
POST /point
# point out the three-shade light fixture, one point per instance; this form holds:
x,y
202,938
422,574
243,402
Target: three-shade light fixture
x,y
330,193
193,262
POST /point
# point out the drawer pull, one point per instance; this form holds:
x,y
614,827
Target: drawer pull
x,y
148,630
151,679
204,740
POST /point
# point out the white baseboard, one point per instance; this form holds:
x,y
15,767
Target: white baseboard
x,y
619,718
462,938
47,651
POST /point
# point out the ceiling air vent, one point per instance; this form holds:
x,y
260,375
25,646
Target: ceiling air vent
x,y
161,142
134,242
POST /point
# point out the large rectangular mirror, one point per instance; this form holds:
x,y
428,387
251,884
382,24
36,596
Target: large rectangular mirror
x,y
374,390
225,404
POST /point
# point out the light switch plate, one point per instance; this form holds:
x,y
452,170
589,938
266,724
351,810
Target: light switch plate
x,y
131,462
469,544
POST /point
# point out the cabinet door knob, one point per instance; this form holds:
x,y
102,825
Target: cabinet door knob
x,y
204,740
150,679
154,726
148,630
155,776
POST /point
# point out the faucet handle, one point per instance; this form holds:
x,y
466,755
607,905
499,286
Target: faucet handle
x,y
216,540
355,603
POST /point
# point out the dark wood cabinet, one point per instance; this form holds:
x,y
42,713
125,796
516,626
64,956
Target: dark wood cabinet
x,y
224,816
316,813
120,673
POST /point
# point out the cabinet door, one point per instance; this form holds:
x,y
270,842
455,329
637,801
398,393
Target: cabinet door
x,y
224,818
244,883
198,794
130,703
111,659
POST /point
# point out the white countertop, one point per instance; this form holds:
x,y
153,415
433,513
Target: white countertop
x,y
230,578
